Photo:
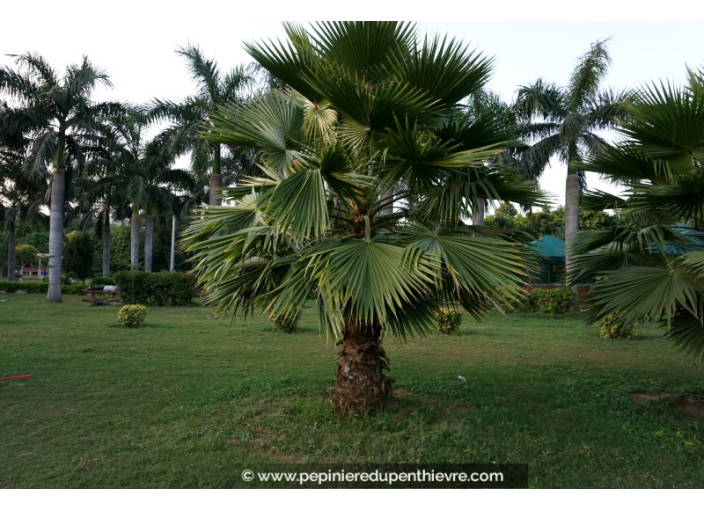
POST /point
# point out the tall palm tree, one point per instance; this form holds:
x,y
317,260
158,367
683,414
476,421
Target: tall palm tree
x,y
374,118
160,192
125,168
564,122
652,269
20,200
57,114
143,172
187,117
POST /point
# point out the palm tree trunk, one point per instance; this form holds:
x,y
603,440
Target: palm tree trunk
x,y
571,217
215,178
148,235
134,238
478,214
173,243
106,247
11,242
361,384
56,227
389,208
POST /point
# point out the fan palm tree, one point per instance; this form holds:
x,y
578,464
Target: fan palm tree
x,y
187,117
373,117
56,113
564,122
652,269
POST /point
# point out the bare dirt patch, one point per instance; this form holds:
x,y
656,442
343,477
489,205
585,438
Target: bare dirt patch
x,y
647,397
690,407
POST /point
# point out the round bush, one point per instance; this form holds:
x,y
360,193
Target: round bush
x,y
287,322
615,326
448,320
132,316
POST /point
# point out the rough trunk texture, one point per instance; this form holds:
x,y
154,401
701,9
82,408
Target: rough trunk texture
x,y
148,236
361,385
215,179
106,250
134,238
56,233
571,217
478,214
11,242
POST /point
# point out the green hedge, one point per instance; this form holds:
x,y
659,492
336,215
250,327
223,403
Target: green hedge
x,y
38,287
156,289
556,301
102,280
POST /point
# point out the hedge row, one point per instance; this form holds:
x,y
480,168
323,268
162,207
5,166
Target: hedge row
x,y
556,301
12,287
155,289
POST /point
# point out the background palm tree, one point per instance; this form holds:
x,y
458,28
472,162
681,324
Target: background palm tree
x,y
652,268
160,189
374,118
188,117
564,122
143,173
56,113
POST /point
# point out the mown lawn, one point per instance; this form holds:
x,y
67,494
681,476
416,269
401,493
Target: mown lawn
x,y
188,401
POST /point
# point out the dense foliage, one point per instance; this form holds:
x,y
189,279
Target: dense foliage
x,y
78,254
448,320
545,222
557,301
38,287
132,316
156,289
615,326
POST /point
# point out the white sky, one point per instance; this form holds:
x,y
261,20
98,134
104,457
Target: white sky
x,y
135,41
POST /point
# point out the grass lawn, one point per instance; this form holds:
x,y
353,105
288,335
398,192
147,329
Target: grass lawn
x,y
188,401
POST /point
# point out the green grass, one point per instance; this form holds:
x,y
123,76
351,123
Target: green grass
x,y
188,401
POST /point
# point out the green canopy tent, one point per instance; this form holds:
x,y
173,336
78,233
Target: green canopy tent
x,y
551,253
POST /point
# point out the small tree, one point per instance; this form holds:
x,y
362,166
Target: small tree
x,y
78,254
374,122
26,254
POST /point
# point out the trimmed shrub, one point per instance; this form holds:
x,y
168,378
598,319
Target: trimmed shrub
x,y
155,289
555,301
37,287
448,320
288,322
74,288
615,326
101,281
132,316
526,303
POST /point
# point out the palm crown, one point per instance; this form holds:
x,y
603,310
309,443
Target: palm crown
x,y
188,116
563,122
369,165
56,113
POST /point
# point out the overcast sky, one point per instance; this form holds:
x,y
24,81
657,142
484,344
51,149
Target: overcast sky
x,y
135,42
